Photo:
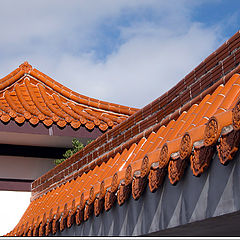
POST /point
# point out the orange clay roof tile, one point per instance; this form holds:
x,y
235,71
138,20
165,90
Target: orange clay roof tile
x,y
27,94
109,175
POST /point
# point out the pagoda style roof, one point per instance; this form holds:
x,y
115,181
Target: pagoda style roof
x,y
26,94
197,118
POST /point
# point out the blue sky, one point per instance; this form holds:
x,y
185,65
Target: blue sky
x,y
127,51
216,12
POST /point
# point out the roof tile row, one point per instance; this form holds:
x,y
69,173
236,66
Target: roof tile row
x,y
124,134
191,138
29,95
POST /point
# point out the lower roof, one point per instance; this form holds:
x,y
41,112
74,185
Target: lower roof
x,y
193,136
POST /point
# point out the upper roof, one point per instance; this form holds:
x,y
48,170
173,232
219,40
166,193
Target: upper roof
x,y
27,94
160,138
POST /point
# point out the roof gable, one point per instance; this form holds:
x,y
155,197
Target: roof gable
x,y
27,94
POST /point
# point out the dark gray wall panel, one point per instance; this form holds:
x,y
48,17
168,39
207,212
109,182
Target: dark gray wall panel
x,y
216,192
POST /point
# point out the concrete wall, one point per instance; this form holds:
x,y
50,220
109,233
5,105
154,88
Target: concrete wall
x,y
216,192
26,168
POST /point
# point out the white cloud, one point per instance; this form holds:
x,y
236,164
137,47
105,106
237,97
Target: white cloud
x,y
142,68
153,54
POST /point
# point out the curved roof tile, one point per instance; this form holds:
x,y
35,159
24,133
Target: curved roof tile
x,y
27,94
191,137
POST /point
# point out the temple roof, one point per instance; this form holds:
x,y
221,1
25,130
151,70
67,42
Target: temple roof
x,y
27,94
168,148
194,120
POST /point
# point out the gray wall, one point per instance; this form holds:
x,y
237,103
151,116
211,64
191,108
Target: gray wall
x,y
13,167
214,193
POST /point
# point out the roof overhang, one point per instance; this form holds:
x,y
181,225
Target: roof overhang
x,y
28,135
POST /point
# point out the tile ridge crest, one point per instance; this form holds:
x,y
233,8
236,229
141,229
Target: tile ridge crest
x,y
76,97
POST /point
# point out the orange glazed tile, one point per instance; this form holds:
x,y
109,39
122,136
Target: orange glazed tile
x,y
223,119
200,116
12,114
122,161
91,184
185,121
34,121
89,125
61,123
211,109
75,124
41,117
173,146
5,118
27,115
197,133
111,166
231,97
48,122
37,95
103,126
136,162
153,142
20,119
126,160
167,132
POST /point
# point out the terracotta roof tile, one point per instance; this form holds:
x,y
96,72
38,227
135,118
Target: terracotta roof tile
x,y
29,95
168,148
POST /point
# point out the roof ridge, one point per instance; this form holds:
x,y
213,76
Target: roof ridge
x,y
144,163
203,79
26,69
82,99
26,89
84,159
